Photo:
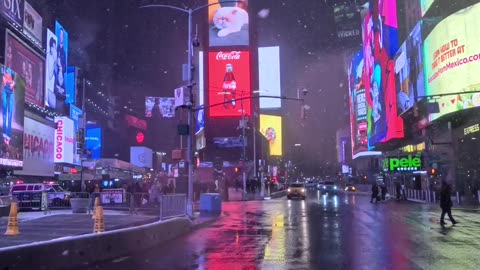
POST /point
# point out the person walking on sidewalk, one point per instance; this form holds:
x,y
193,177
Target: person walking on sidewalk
x,y
446,203
374,193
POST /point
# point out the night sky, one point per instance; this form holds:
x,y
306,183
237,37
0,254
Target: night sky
x,y
133,53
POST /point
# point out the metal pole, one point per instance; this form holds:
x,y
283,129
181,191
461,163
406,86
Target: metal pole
x,y
244,176
190,118
84,125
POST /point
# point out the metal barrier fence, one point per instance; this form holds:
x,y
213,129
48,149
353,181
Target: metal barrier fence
x,y
5,200
166,206
173,206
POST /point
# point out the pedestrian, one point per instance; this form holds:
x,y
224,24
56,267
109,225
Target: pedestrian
x,y
446,203
398,188
374,193
384,191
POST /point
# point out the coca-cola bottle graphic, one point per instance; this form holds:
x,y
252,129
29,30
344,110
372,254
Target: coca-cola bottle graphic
x,y
229,88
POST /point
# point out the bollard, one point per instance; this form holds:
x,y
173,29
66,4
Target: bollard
x,y
99,222
12,226
458,198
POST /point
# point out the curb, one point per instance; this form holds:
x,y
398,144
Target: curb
x,y
76,251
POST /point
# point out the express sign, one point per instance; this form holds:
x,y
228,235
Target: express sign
x,y
410,163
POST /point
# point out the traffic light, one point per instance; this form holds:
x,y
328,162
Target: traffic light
x,y
236,170
432,171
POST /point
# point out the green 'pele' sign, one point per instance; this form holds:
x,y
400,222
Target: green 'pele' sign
x,y
410,163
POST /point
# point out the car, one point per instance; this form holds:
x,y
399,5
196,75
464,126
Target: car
x,y
310,184
30,195
350,187
296,190
329,187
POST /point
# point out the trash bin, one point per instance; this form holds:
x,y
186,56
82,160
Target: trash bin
x,y
211,203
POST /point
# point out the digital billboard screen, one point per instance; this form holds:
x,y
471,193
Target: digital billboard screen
x,y
12,111
271,129
32,23
409,76
70,83
347,22
269,77
64,140
93,142
200,114
451,58
229,80
380,43
228,23
37,149
13,11
158,107
29,65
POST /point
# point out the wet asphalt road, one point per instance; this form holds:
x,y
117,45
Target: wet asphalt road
x,y
323,232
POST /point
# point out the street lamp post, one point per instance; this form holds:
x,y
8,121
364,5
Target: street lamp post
x,y
190,104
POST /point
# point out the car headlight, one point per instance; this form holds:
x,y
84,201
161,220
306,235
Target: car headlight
x,y
335,187
303,190
324,187
346,188
353,188
289,190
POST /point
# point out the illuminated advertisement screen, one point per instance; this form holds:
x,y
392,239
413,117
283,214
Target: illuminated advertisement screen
x,y
425,5
200,114
70,83
32,23
451,58
12,111
158,107
29,64
93,142
37,149
358,105
347,22
75,114
229,80
269,77
409,76
13,11
380,43
271,129
228,23
64,140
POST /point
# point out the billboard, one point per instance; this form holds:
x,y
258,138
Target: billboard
x,y
56,69
229,80
28,64
12,110
269,77
93,142
32,23
425,5
157,107
451,58
380,43
409,76
75,113
135,122
64,140
347,23
13,10
229,142
141,156
200,114
271,129
37,149
228,23
70,85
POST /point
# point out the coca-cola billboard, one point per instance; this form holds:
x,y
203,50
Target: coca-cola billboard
x,y
229,83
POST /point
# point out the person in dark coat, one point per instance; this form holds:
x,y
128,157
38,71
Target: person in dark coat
x,y
374,193
384,191
446,203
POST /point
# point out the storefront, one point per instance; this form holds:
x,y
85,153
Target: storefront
x,y
408,170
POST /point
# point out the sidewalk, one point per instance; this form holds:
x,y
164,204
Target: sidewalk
x,y
36,227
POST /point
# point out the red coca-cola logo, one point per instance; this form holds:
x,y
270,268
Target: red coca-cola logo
x,y
230,85
233,55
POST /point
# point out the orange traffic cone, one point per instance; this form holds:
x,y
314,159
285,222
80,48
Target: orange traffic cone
x,y
99,222
12,226
95,204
